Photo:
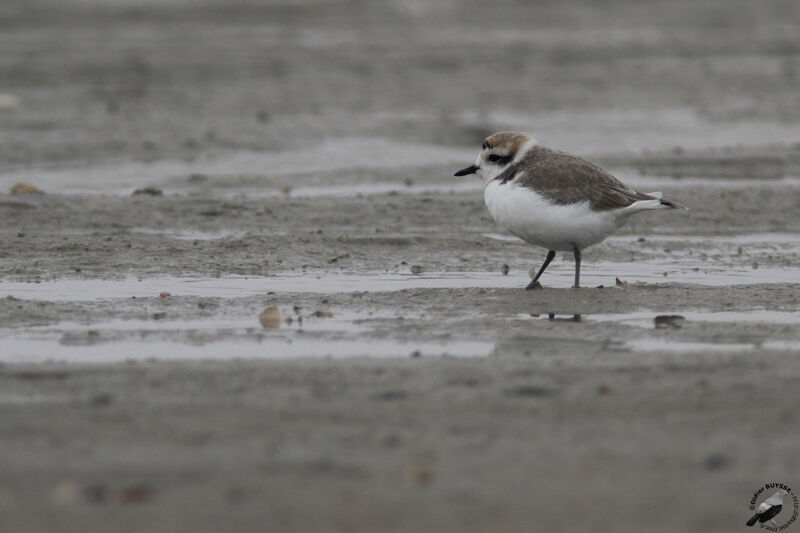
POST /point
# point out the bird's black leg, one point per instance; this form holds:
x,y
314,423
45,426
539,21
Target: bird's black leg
x,y
535,283
577,252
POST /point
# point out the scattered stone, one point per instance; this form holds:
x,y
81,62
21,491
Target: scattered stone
x,y
603,390
159,316
270,317
148,191
319,313
197,178
505,269
416,269
262,116
669,321
416,354
25,188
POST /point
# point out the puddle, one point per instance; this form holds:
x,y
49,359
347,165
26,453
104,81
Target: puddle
x,y
226,338
22,350
558,276
340,155
340,321
233,173
660,345
644,319
767,239
685,347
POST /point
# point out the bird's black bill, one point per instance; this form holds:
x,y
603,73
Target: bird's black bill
x,y
472,169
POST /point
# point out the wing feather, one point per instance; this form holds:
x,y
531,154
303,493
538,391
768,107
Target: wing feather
x,y
566,179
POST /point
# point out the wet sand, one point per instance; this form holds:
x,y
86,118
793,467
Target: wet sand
x,y
301,156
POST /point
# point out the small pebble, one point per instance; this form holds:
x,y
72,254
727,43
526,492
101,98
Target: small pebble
x,y
270,317
505,269
669,321
148,191
25,188
416,269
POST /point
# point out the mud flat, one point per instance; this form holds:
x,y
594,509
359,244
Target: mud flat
x,y
409,384
139,387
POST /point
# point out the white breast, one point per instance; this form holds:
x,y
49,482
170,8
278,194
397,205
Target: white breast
x,y
536,220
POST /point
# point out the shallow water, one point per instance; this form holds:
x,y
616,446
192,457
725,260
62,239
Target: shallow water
x,y
603,273
26,350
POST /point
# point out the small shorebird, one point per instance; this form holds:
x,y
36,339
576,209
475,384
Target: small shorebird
x,y
553,199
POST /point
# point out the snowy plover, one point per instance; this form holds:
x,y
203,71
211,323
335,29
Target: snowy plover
x,y
554,199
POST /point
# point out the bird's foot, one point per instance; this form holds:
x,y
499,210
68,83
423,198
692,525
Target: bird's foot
x,y
533,285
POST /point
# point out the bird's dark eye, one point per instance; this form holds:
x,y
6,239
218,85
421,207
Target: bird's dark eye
x,y
494,158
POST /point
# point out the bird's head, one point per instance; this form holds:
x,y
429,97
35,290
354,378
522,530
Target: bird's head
x,y
498,151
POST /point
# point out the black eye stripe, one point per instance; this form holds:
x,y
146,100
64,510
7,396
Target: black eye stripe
x,y
500,160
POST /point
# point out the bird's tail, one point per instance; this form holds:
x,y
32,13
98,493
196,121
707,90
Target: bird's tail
x,y
753,520
665,203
